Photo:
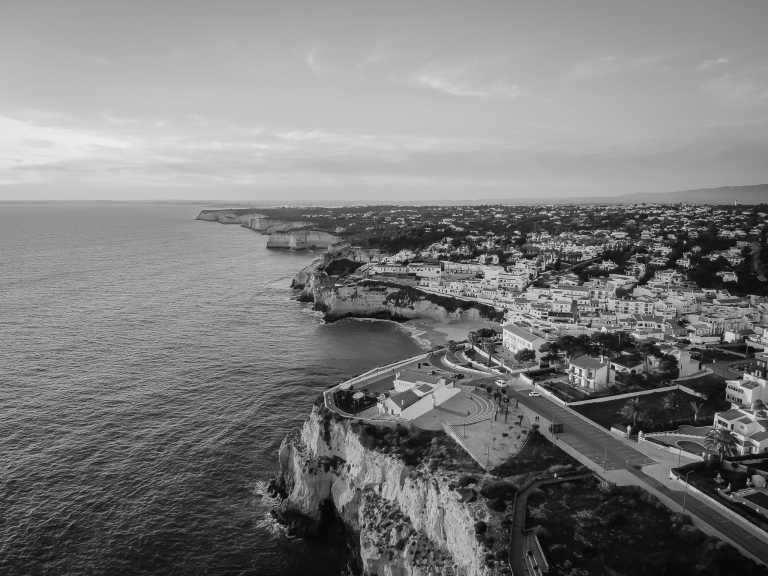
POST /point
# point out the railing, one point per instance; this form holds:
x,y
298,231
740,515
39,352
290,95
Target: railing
x,y
622,396
380,370
330,404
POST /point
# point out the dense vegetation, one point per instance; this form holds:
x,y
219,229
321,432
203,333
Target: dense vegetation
x,y
415,446
653,412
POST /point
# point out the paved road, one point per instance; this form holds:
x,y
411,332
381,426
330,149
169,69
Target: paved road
x,y
620,463
741,537
595,443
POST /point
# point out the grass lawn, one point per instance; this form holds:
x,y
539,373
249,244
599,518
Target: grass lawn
x,y
588,530
692,447
660,415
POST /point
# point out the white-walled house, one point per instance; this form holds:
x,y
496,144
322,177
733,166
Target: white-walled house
x,y
750,428
751,387
592,374
415,393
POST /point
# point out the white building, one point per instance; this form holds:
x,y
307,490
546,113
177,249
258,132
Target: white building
x,y
750,428
592,374
752,386
516,338
415,393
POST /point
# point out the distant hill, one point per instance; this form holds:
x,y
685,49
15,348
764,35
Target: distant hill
x,y
756,194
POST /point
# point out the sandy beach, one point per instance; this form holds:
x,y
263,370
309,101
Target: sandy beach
x,y
432,333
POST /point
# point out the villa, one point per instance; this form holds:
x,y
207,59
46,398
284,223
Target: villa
x,y
592,374
751,387
749,427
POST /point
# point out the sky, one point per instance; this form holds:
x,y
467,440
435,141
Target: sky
x,y
254,100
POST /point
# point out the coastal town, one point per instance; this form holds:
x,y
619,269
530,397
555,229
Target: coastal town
x,y
631,340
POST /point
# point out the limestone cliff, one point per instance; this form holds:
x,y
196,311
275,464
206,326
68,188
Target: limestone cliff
x,y
249,218
305,278
269,225
342,297
407,520
301,239
233,216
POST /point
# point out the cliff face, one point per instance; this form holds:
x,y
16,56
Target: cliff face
x,y
304,280
371,300
409,521
250,219
267,225
301,239
234,216
377,300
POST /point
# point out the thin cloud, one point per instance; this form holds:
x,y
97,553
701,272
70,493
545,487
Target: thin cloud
x,y
311,61
737,90
458,85
446,86
28,144
712,63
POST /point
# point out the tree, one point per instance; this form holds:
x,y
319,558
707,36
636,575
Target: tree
x,y
634,411
696,406
550,347
490,348
525,355
612,341
721,442
648,348
670,402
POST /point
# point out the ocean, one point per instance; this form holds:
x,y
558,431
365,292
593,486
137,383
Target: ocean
x,y
150,365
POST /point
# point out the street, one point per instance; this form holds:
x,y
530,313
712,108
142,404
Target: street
x,y
619,462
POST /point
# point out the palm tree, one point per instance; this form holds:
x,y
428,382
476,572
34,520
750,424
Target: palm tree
x,y
720,441
490,348
696,406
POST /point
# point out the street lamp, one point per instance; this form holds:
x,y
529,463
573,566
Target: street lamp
x,y
685,489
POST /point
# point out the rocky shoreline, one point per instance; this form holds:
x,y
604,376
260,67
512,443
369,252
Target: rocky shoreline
x,y
339,297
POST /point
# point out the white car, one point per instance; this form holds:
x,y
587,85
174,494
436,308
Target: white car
x,y
500,383
534,393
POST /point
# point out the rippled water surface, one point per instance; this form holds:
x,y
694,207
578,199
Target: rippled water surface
x,y
150,364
